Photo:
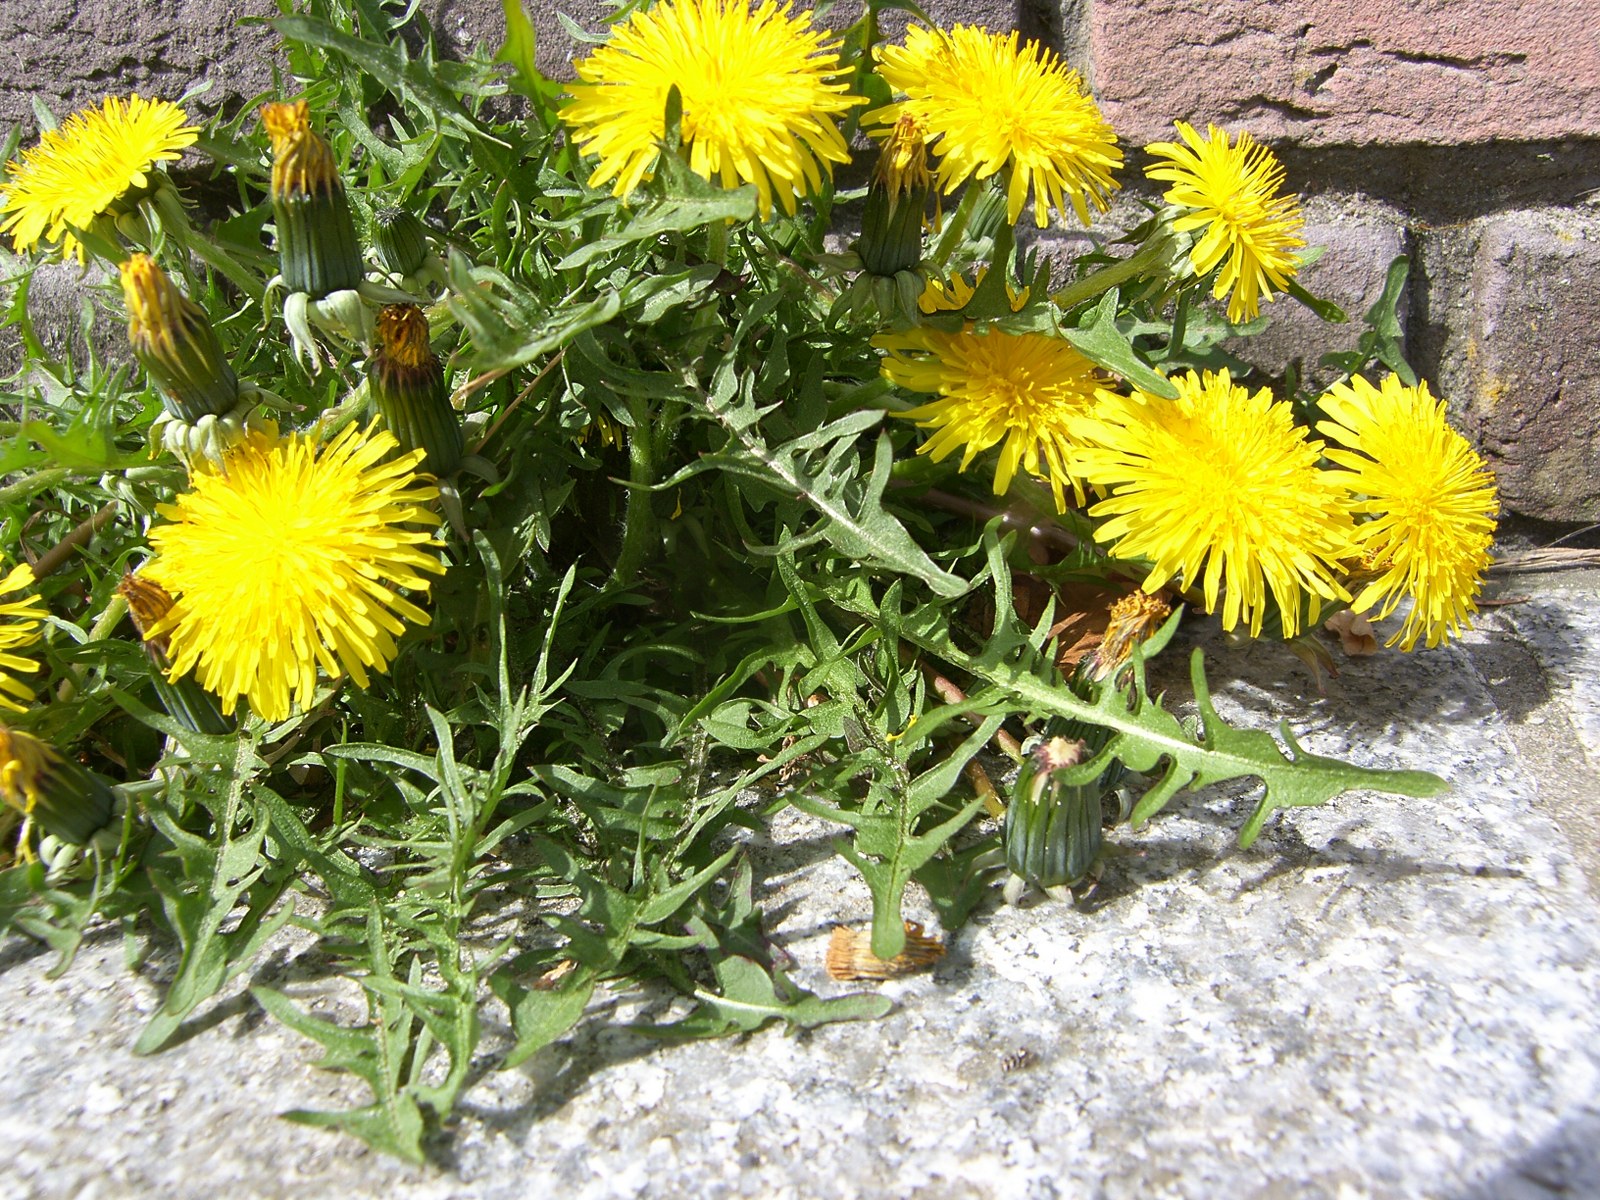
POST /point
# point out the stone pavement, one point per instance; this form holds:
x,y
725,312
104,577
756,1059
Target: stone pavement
x,y
1385,997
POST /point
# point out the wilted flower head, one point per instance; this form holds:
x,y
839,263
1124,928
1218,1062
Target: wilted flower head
x,y
63,798
1135,618
317,249
173,340
903,160
407,383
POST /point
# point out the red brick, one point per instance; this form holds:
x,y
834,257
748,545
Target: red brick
x,y
1351,72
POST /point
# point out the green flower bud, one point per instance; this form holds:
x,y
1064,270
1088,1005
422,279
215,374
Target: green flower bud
x,y
63,799
399,240
1053,829
406,380
173,340
317,245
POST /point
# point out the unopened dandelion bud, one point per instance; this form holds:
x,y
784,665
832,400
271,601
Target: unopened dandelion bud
x,y
184,699
1054,829
407,384
897,202
173,340
317,244
399,240
62,798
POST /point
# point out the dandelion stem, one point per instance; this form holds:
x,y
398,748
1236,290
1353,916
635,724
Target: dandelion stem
x,y
521,396
53,559
1180,321
717,242
639,519
958,225
1009,520
1106,278
952,694
32,485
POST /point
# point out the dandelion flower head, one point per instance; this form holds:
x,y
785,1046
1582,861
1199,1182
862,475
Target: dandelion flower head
x,y
1015,391
986,103
24,764
21,624
1231,192
79,170
302,161
954,293
760,91
903,161
289,556
1221,489
1428,498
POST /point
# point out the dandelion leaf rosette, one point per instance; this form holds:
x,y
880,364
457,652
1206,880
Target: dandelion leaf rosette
x,y
632,513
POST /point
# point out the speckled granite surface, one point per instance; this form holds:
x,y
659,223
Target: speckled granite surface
x,y
1385,997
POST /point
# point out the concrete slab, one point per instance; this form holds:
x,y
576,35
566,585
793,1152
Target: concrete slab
x,y
1385,997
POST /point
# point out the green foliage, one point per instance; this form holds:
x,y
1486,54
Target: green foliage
x,y
1380,341
697,575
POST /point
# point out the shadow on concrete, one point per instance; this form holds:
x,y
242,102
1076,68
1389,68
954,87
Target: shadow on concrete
x,y
1566,1164
559,1071
1369,696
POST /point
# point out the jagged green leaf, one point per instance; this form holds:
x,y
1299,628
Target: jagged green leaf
x,y
1099,340
214,876
820,469
752,996
1147,738
378,1053
540,1016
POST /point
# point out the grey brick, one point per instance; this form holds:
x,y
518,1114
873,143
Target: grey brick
x,y
1507,311
1362,237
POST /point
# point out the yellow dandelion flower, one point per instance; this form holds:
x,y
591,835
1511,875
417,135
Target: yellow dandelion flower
x,y
24,762
1431,501
1015,391
902,168
986,103
1220,488
62,798
21,623
955,293
80,170
1231,191
288,556
760,92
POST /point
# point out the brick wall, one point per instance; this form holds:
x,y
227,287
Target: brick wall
x,y
1463,132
